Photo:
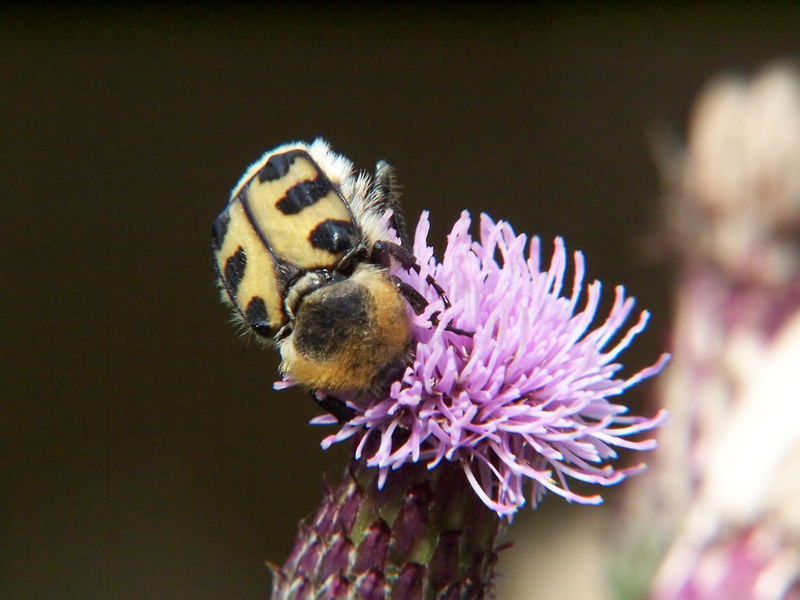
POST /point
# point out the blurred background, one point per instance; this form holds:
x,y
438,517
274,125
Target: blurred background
x,y
144,453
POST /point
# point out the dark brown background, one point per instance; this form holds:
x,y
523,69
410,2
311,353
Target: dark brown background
x,y
145,455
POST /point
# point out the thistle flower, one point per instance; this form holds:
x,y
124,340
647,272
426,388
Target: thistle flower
x,y
523,401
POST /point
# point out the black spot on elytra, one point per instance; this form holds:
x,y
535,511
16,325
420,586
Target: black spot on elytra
x,y
256,316
279,165
219,228
303,194
333,235
329,317
234,269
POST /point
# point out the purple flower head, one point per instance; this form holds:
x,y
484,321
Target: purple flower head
x,y
524,401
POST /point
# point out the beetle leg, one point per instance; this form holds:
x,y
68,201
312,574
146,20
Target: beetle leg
x,y
336,407
418,303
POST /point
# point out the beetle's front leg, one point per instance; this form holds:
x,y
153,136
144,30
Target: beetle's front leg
x,y
336,407
383,252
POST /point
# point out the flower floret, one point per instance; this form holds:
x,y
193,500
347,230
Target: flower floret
x,y
524,399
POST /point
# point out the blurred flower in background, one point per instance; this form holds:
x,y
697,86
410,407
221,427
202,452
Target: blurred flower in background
x,y
727,491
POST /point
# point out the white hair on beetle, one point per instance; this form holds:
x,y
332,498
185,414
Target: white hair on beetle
x,y
356,187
